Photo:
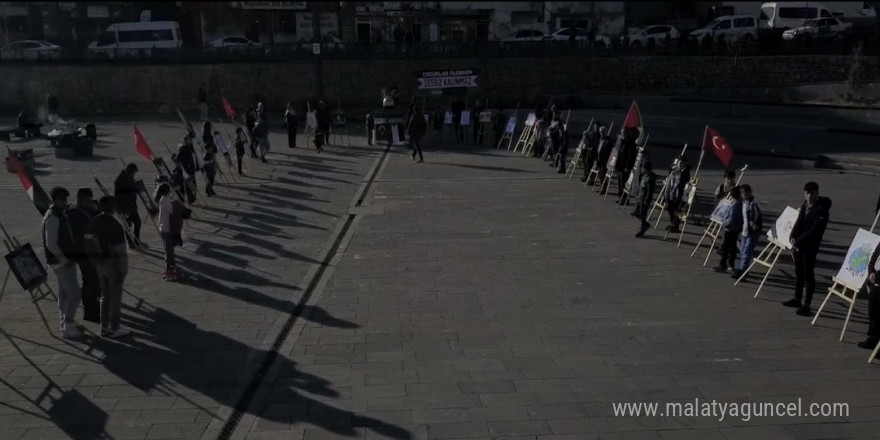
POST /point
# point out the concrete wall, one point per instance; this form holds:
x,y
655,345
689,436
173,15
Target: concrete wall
x,y
91,89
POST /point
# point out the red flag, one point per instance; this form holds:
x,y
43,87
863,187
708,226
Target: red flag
x,y
634,120
227,107
33,189
143,148
714,142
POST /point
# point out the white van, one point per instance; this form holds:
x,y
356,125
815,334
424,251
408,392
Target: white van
x,y
732,27
139,35
789,15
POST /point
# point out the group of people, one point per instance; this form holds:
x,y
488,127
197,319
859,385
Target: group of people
x,y
741,224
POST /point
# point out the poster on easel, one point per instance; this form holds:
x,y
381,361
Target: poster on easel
x,y
466,118
395,134
511,125
485,117
26,267
781,231
312,120
690,192
447,118
530,120
721,210
854,270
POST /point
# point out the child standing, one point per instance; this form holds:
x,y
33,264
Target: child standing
x,y
733,226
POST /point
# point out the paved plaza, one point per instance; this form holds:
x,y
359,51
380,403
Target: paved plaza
x,y
477,295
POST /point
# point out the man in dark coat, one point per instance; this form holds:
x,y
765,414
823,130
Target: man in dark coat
x,y
648,183
323,116
591,148
806,236
125,192
80,217
627,158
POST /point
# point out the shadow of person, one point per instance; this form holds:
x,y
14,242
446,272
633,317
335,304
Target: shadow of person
x,y
174,352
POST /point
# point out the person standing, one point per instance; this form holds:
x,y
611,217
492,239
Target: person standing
x,y
111,266
261,132
203,102
726,185
59,250
239,146
591,140
437,120
733,226
209,161
806,236
753,224
458,106
627,159
125,191
370,123
186,156
561,148
416,129
323,116
79,217
873,286
476,124
675,191
171,217
290,120
250,117
647,186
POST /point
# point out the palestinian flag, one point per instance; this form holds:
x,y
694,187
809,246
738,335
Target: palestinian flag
x,y
33,189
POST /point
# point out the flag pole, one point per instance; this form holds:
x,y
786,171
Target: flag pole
x,y
702,153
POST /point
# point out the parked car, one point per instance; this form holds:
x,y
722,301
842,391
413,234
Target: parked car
x,y
581,34
328,42
818,29
731,27
524,35
651,35
234,42
31,50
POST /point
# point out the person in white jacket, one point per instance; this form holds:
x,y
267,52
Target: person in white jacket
x,y
59,249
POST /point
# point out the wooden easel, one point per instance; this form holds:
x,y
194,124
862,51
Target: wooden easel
x,y
691,190
661,199
841,290
526,134
42,289
610,171
767,258
578,152
715,227
508,134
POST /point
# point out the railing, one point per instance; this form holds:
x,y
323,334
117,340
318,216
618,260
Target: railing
x,y
354,50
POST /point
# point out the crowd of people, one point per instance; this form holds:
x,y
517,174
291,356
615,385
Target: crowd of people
x,y
88,237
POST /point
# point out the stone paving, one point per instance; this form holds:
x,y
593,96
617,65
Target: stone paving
x,y
475,295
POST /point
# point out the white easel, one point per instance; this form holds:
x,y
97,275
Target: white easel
x,y
526,133
713,230
311,124
577,153
841,290
509,129
661,199
767,258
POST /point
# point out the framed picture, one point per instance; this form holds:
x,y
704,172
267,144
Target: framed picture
x,y
26,267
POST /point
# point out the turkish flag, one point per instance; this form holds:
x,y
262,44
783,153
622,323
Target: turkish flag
x,y
714,142
227,107
634,120
31,187
143,148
